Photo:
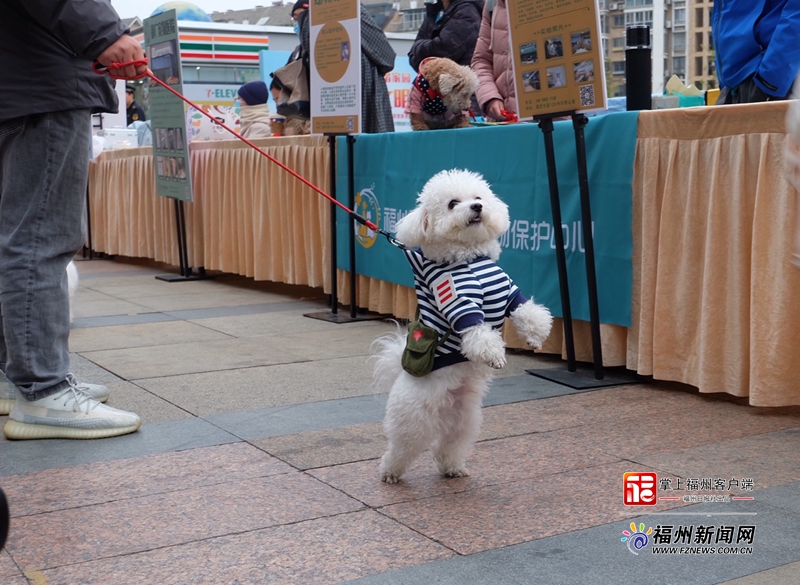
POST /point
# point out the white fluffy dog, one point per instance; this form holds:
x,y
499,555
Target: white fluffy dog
x,y
459,287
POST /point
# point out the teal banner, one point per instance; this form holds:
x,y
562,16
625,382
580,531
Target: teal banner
x,y
391,169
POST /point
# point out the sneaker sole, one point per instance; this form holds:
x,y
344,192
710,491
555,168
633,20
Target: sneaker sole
x,y
20,431
7,404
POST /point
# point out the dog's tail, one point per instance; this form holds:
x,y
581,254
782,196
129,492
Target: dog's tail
x,y
386,353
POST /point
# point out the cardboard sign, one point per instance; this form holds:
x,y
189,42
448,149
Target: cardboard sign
x,y
335,39
557,54
167,111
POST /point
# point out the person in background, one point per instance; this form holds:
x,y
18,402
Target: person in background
x,y
253,112
492,63
291,126
377,59
450,29
757,48
45,138
135,113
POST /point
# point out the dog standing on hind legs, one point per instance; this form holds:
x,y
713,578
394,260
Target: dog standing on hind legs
x,y
464,296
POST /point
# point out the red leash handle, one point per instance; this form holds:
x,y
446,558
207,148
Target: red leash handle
x,y
102,70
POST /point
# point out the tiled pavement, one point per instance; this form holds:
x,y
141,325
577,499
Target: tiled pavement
x,y
257,461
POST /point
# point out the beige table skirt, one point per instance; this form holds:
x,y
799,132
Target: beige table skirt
x,y
715,299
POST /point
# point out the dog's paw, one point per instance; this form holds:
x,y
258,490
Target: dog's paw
x,y
456,473
387,477
485,345
497,362
533,322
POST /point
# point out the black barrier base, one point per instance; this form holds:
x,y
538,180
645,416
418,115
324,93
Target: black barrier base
x,y
340,318
584,377
186,275
179,278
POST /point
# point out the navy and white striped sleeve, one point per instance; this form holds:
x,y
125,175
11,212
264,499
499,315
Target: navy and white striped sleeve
x,y
515,298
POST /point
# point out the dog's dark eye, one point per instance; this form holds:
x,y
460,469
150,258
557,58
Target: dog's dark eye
x,y
452,204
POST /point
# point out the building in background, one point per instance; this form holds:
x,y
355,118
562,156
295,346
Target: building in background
x,y
399,20
681,41
680,36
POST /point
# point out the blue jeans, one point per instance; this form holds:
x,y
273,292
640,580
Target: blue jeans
x,y
44,165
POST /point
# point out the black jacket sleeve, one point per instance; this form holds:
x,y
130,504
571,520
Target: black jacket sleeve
x,y
86,27
456,38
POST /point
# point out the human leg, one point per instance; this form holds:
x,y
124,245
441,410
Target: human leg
x,y
44,162
43,172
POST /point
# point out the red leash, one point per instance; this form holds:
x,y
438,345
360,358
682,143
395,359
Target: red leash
x,y
102,70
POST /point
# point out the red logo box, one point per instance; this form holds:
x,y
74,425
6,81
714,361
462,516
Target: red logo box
x,y
639,489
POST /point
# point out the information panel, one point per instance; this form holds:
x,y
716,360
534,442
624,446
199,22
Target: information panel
x,y
167,111
335,58
557,55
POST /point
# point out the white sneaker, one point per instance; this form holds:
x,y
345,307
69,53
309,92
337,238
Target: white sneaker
x,y
8,395
68,414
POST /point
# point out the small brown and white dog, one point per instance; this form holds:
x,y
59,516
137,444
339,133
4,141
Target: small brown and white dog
x,y
459,287
440,95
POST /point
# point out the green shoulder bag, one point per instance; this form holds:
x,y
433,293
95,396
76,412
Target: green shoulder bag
x,y
421,344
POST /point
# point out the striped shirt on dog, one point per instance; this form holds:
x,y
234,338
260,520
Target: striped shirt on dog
x,y
461,295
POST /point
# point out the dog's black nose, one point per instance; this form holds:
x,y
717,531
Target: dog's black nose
x,y
476,207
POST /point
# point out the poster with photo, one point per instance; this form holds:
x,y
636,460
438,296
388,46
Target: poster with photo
x,y
335,76
167,111
557,57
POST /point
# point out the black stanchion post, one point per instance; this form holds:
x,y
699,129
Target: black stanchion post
x,y
546,125
574,377
178,228
333,316
182,235
334,300
183,251
638,69
579,121
88,224
351,203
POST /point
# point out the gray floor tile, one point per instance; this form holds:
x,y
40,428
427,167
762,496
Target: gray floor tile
x,y
140,335
597,555
525,387
179,301
245,310
785,497
276,318
785,575
116,320
190,433
186,358
264,387
299,418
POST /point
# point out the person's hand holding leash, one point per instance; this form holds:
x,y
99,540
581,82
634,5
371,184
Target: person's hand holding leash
x,y
124,50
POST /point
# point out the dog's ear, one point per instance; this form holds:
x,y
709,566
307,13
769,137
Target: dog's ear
x,y
446,83
412,229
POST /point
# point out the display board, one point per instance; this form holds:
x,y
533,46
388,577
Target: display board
x,y
335,59
557,54
167,111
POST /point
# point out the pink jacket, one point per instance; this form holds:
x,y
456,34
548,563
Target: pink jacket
x,y
491,60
